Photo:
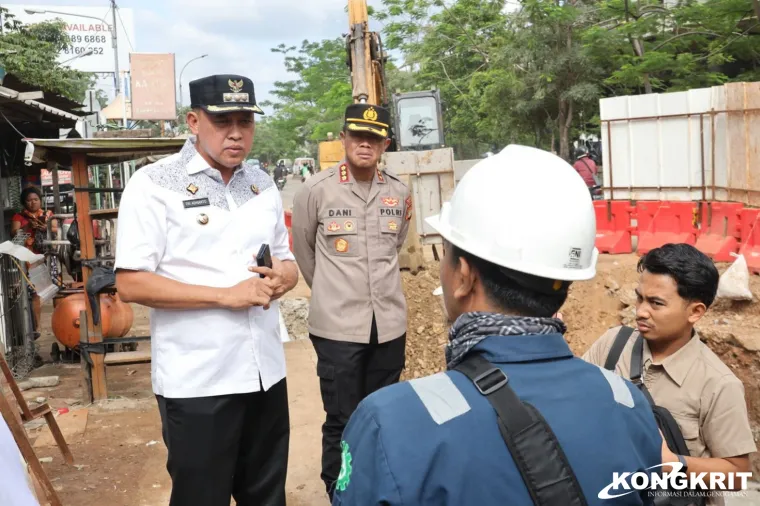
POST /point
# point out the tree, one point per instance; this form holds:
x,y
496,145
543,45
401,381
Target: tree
x,y
534,75
29,52
648,48
313,104
102,98
505,77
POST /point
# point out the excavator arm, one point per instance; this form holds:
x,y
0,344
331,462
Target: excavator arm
x,y
366,57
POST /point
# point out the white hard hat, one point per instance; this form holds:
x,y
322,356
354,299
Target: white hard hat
x,y
527,210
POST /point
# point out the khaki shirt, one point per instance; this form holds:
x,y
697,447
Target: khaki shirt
x,y
346,243
700,391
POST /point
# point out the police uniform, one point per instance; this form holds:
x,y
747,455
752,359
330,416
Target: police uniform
x,y
346,239
701,392
218,374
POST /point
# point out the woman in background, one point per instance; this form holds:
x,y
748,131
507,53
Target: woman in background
x,y
32,221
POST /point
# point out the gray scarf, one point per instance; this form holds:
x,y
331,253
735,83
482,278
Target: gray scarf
x,y
471,328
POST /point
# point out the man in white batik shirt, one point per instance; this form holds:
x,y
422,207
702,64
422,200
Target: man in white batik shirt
x,y
190,227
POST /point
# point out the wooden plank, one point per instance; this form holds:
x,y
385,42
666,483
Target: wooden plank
x,y
127,357
104,214
31,95
39,411
25,447
81,180
142,133
25,411
71,425
752,127
55,429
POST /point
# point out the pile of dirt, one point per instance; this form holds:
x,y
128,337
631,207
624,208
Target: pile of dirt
x,y
426,334
295,312
730,329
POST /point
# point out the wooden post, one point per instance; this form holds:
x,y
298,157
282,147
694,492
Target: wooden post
x,y
22,441
87,249
411,255
53,168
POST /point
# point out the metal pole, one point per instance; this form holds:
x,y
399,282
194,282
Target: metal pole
x,y
110,184
53,168
97,185
183,69
116,76
124,108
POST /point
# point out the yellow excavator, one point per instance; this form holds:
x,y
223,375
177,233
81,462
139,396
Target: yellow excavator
x,y
417,116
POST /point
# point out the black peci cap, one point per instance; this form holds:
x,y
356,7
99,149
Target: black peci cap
x,y
368,118
223,93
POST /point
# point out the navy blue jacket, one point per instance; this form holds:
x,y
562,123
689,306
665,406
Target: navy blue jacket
x,y
435,440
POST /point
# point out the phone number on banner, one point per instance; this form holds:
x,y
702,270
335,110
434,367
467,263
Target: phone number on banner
x,y
82,49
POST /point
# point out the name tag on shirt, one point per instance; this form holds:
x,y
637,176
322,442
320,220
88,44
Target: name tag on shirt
x,y
339,213
391,212
190,204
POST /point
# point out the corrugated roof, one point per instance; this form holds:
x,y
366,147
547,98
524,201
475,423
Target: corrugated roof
x,y
52,110
101,151
51,99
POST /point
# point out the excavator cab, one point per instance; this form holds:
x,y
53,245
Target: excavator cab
x,y
418,121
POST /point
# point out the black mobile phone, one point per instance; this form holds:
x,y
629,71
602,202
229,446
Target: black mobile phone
x,y
264,257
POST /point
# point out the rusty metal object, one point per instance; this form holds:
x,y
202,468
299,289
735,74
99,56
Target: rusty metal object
x,y
116,318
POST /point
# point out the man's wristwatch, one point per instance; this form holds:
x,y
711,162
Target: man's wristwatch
x,y
682,460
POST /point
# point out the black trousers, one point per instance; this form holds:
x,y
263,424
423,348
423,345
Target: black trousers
x,y
349,372
228,446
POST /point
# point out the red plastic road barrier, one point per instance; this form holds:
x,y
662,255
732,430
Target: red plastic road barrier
x,y
672,223
750,238
613,226
289,225
645,211
721,230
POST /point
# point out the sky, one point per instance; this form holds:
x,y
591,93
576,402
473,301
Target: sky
x,y
236,34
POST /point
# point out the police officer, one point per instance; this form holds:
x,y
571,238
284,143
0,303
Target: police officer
x,y
509,258
190,227
349,223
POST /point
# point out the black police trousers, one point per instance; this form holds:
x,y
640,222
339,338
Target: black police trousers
x,y
349,372
228,446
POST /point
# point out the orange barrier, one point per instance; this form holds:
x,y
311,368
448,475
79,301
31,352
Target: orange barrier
x,y
613,226
645,212
749,236
673,222
721,230
289,225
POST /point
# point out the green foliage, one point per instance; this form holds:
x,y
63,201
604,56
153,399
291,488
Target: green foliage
x,y
527,71
309,106
29,52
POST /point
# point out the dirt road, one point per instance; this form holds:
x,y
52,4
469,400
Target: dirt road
x,y
120,456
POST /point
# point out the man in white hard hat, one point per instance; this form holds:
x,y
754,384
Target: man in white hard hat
x,y
516,419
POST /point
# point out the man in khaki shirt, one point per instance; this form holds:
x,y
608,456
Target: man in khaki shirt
x,y
677,285
349,223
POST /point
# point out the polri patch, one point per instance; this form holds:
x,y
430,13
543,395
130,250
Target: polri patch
x,y
191,204
391,212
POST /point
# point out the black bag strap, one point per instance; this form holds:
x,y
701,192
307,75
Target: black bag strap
x,y
621,340
534,447
637,368
586,164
